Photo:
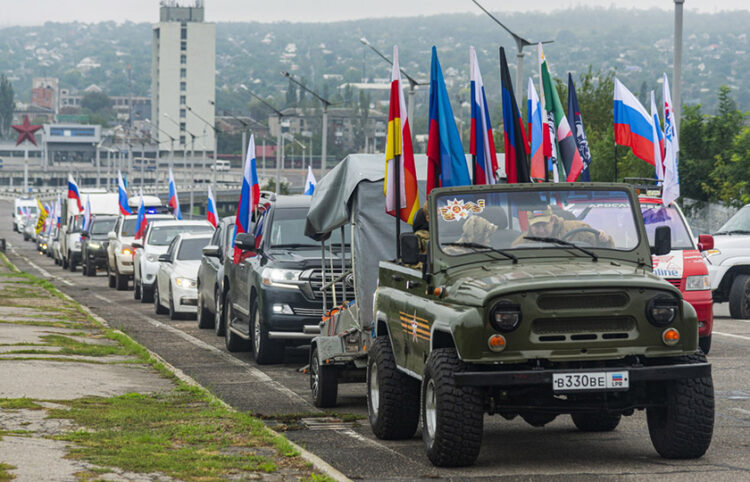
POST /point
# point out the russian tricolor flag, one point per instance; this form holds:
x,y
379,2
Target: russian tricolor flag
x,y
122,194
73,192
482,145
536,133
211,208
633,124
173,201
141,222
249,197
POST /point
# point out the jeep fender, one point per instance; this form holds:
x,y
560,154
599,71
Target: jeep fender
x,y
328,346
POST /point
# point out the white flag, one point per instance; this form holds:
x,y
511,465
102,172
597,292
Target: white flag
x,y
310,182
671,148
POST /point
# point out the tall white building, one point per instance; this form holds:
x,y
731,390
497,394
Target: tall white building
x,y
183,73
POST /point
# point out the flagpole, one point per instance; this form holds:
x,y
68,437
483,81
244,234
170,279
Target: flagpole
x,y
397,174
474,169
615,162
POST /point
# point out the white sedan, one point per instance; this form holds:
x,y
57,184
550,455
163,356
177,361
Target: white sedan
x,y
175,289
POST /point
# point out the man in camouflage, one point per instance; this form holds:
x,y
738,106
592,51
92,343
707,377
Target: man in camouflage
x,y
542,223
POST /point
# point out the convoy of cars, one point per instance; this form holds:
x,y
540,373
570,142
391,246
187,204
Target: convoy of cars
x,y
531,301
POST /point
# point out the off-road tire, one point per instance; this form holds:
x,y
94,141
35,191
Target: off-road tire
x,y
218,315
323,382
704,342
265,350
158,308
204,316
682,429
136,289
121,281
458,411
233,342
538,419
596,421
739,297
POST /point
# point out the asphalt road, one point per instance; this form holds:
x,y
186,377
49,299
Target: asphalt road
x,y
510,449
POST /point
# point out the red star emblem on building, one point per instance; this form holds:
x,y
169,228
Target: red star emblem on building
x,y
26,131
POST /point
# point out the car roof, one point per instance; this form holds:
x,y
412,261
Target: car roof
x,y
292,201
150,216
178,222
194,235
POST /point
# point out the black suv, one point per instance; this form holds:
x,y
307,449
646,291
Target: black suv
x,y
94,243
271,297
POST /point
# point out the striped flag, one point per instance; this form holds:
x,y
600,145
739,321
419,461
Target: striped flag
x,y
516,162
482,145
122,196
73,192
399,150
172,199
211,208
249,198
633,124
536,133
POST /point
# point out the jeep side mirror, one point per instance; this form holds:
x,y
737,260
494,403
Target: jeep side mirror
x,y
662,241
212,251
165,258
136,244
409,248
111,235
245,241
705,242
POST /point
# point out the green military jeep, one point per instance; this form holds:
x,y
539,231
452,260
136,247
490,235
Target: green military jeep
x,y
534,301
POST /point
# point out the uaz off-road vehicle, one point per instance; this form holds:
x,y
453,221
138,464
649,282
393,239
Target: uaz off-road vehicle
x,y
535,300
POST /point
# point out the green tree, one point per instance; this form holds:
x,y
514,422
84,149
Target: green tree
x,y
97,103
291,94
7,104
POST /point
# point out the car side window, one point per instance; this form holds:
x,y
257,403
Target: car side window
x,y
216,238
171,250
117,225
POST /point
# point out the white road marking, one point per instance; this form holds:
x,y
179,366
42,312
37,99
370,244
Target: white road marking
x,y
741,410
732,335
41,270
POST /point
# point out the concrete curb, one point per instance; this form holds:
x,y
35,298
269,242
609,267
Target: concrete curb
x,y
319,464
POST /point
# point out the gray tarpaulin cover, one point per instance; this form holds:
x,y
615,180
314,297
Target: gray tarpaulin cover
x,y
352,192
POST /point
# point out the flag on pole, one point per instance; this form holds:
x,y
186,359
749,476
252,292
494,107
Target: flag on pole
x,y
52,218
536,133
571,158
86,224
58,211
249,198
516,162
73,192
122,193
482,144
658,138
211,209
575,120
41,217
310,182
633,125
173,201
141,222
446,161
398,149
671,186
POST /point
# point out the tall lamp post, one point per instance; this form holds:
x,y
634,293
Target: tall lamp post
x,y
171,142
192,161
216,139
279,151
677,74
326,103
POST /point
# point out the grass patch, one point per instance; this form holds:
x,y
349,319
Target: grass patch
x,y
185,434
17,433
70,346
4,475
19,403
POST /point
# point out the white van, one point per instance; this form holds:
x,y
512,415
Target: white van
x,y
25,209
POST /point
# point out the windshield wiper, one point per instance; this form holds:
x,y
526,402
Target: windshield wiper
x,y
733,231
482,246
545,239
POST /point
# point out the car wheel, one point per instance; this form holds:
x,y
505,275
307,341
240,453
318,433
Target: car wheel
x,y
90,269
392,396
121,281
682,427
137,289
323,382
218,316
173,315
265,350
231,340
158,308
110,278
596,421
452,416
705,344
147,293
739,297
71,263
64,263
204,316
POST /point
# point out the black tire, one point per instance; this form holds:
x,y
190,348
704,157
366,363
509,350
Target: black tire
x,y
110,278
71,263
265,350
64,263
136,289
538,419
233,342
596,421
323,382
158,308
218,315
705,344
739,297
121,281
90,269
173,315
147,293
392,396
454,435
683,427
204,315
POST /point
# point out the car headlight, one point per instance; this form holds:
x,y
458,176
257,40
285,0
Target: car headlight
x,y
280,277
699,282
152,257
127,252
94,245
505,316
662,310
711,252
185,282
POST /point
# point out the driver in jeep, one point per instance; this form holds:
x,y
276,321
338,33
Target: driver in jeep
x,y
542,223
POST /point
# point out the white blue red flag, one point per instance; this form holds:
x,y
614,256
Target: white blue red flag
x,y
141,222
58,211
86,215
482,144
536,133
249,197
658,138
122,196
633,124
671,148
211,208
172,200
310,182
73,192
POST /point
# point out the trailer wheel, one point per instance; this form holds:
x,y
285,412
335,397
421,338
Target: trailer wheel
x,y
323,382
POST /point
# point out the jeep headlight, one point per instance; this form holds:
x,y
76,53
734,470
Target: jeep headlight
x,y
699,282
185,282
280,277
662,310
94,245
152,257
505,316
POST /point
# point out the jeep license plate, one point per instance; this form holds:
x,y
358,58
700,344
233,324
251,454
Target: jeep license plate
x,y
580,381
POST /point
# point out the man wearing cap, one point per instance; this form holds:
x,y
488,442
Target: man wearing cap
x,y
542,223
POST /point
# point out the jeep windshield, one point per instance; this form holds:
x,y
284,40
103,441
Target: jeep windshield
x,y
506,220
288,230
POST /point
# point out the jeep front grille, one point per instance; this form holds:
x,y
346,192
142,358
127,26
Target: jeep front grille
x,y
579,329
582,301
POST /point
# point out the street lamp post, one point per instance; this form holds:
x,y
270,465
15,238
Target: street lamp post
x,y
216,140
192,162
677,74
280,115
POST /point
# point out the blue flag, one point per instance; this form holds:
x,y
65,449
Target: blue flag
x,y
576,125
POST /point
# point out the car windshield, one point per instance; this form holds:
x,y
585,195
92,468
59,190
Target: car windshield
x,y
27,209
163,235
102,226
468,222
288,230
192,249
655,215
128,227
739,223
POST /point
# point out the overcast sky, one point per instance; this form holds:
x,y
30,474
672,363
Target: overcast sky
x,y
37,12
